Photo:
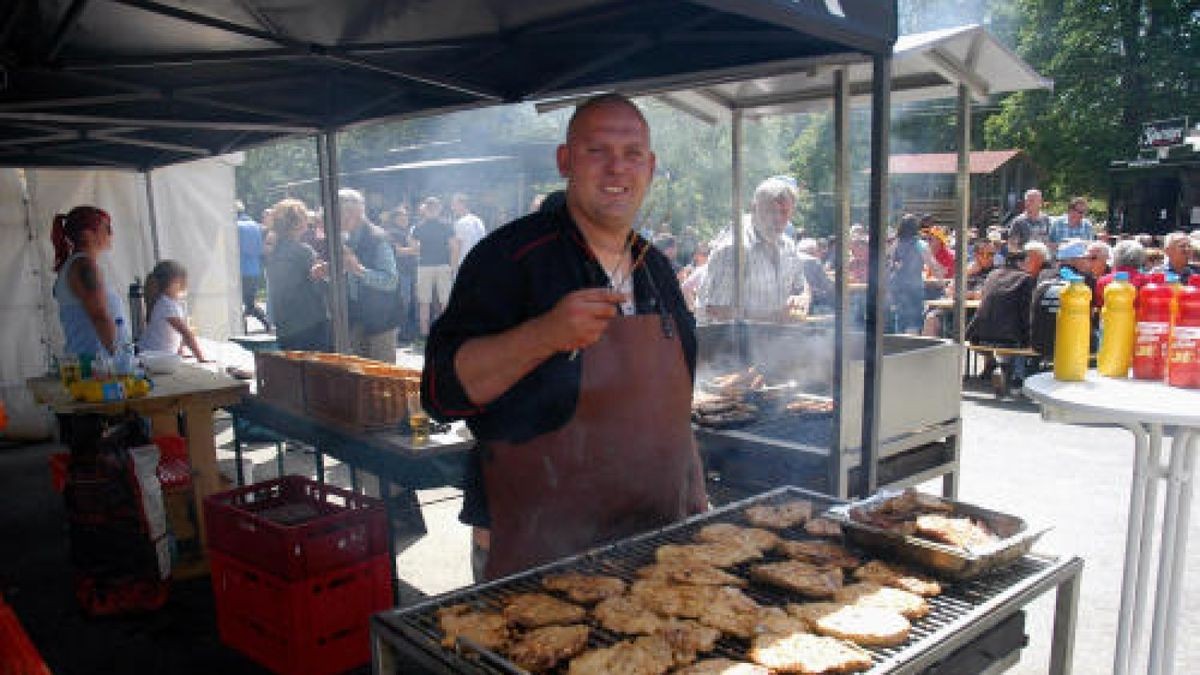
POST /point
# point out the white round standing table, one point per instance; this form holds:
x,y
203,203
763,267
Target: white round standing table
x,y
1143,408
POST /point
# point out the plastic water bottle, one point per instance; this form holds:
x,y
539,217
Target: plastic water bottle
x,y
1153,330
122,352
1183,355
1117,320
1072,331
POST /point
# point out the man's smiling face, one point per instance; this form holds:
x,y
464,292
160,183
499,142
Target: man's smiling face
x,y
608,164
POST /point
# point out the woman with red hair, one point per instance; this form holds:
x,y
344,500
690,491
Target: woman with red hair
x,y
88,308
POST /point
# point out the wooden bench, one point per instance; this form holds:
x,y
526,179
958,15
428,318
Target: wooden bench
x,y
974,351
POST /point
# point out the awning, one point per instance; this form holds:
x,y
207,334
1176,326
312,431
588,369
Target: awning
x,y
144,83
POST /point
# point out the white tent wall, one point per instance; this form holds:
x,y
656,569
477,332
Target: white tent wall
x,y
196,226
194,204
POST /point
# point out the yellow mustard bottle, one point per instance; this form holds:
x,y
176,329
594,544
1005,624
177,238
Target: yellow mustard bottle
x,y
1117,321
1072,329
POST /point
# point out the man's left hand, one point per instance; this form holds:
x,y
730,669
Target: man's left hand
x,y
351,263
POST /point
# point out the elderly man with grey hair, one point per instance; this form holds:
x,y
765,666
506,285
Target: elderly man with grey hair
x,y
774,275
1098,255
373,305
1127,256
1178,249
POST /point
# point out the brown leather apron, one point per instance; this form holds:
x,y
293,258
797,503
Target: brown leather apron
x,y
625,463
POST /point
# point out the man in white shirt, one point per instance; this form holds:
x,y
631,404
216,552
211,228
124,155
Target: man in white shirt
x,y
467,226
774,277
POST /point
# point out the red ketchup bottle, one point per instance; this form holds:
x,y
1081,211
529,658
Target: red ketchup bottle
x,y
1153,329
1183,357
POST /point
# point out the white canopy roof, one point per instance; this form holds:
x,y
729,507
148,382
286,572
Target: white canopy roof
x,y
924,66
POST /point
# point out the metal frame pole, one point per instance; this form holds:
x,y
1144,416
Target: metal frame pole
x,y
327,164
154,242
739,249
963,185
841,225
881,88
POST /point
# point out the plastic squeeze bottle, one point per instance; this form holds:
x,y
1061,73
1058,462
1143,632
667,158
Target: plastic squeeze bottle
x,y
1153,330
1117,320
1183,355
1072,330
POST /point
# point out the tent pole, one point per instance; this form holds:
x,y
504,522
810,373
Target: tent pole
x,y
739,257
841,309
964,211
881,88
327,161
154,241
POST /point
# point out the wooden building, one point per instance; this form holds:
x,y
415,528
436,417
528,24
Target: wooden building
x,y
924,183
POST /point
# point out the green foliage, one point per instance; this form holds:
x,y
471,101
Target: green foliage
x,y
1115,64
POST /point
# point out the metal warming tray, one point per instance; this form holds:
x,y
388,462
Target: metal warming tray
x,y
407,640
1017,538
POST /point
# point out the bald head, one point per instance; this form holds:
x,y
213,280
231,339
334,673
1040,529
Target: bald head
x,y
603,101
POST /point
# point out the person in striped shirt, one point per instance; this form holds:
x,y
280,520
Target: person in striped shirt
x,y
773,277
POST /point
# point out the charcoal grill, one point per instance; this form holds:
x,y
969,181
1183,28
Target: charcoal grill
x,y
408,640
919,422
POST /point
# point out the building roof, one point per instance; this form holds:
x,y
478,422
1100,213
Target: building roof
x,y
982,162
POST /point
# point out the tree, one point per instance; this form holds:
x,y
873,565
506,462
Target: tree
x,y
1115,64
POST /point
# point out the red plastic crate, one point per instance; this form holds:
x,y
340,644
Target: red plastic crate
x,y
309,627
295,527
60,462
174,471
18,655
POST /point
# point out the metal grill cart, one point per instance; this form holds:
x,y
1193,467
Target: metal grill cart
x,y
973,626
920,434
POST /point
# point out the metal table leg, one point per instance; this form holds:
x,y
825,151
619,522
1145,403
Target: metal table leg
x,y
1066,606
237,451
319,460
1172,552
1133,537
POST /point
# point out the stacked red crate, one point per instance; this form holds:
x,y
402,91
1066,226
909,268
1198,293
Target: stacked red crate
x,y
297,570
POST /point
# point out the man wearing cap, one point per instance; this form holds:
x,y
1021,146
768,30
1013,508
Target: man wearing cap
x,y
370,265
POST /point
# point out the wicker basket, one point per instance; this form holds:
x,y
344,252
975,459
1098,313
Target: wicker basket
x,y
358,394
280,378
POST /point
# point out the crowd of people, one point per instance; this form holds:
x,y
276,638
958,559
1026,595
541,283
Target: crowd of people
x,y
399,271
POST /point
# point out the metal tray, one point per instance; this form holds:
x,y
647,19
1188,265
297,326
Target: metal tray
x,y
1017,537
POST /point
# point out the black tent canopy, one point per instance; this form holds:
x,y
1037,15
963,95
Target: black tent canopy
x,y
140,84
146,83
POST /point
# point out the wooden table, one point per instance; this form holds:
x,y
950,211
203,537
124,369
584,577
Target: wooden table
x,y
191,391
948,303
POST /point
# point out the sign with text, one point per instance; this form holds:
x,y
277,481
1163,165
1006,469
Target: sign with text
x,y
1164,133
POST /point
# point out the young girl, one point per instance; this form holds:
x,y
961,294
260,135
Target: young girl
x,y
167,329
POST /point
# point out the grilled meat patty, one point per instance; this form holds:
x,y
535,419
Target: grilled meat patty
x,y
898,576
534,610
964,533
647,655
544,648
868,594
823,527
809,654
749,537
823,553
780,516
692,573
810,612
584,588
811,581
723,667
865,625
487,629
716,555
625,614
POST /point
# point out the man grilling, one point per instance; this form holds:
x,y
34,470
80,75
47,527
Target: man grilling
x,y
569,350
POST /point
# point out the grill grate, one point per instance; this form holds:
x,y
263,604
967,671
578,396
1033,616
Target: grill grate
x,y
419,627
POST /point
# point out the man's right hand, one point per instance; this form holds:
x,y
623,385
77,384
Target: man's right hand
x,y
579,318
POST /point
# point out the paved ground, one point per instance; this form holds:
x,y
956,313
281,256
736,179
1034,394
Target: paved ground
x,y
1073,478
